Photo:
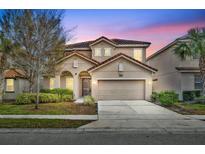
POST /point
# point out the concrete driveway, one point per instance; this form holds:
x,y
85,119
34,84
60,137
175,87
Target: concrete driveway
x,y
140,114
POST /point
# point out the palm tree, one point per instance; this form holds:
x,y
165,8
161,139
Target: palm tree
x,y
194,45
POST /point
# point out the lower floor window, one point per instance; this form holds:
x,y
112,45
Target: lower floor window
x,y
197,82
69,83
9,85
52,81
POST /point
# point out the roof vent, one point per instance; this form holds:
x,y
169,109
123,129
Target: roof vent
x,y
75,63
120,67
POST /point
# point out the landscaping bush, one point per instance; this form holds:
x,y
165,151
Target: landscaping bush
x,y
200,99
48,98
89,100
154,97
67,98
168,98
25,98
191,95
59,91
29,98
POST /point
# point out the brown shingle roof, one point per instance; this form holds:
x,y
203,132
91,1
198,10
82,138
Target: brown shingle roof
x,y
116,41
14,73
79,54
122,54
124,42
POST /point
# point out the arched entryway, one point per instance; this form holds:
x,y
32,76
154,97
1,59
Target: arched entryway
x,y
85,83
66,80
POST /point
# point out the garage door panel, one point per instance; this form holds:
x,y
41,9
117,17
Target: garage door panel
x,y
121,90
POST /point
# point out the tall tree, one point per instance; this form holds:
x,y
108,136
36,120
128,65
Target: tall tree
x,y
194,45
39,39
5,47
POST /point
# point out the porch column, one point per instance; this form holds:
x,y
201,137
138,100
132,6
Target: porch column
x,y
57,81
76,86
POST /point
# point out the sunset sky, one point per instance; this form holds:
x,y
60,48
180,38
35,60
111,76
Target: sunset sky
x,y
159,27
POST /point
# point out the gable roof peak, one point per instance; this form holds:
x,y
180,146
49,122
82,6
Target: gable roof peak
x,y
119,55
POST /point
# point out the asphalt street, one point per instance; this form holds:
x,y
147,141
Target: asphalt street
x,y
99,138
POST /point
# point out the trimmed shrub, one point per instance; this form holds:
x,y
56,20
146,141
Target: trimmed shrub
x,y
89,100
191,95
59,91
67,98
45,91
168,98
48,98
154,97
200,99
29,98
25,98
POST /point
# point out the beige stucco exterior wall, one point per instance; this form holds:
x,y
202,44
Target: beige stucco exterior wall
x,y
115,50
168,78
67,65
131,71
87,53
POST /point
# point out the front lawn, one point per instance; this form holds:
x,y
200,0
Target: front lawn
x,y
65,108
41,123
188,108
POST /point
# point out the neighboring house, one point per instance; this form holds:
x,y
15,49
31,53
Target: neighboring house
x,y
15,83
174,73
107,69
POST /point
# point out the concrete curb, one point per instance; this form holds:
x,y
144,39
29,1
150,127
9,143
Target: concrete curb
x,y
102,130
66,117
198,117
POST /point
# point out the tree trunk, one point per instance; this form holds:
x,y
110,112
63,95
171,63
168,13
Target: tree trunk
x,y
1,90
38,86
202,71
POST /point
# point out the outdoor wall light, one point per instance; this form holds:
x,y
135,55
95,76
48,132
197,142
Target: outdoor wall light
x,y
94,82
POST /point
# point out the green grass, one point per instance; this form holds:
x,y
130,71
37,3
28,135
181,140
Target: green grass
x,y
41,123
193,108
187,108
65,108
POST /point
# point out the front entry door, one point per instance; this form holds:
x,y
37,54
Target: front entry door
x,y
86,90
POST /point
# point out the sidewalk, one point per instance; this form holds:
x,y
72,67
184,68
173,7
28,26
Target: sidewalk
x,y
66,117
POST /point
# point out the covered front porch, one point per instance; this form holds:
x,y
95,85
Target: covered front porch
x,y
79,83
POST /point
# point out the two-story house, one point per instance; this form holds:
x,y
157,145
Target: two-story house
x,y
173,72
113,69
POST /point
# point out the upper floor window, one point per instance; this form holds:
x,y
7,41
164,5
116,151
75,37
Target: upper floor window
x,y
138,54
10,85
52,82
197,82
107,51
98,52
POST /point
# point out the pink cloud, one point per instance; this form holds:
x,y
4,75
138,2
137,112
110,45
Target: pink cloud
x,y
159,36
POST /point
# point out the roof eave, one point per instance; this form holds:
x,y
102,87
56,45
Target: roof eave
x,y
126,57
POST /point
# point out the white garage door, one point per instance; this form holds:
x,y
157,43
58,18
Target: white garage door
x,y
121,89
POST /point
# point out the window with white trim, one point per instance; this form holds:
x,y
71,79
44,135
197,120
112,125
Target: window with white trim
x,y
107,51
10,85
197,82
98,52
138,54
69,83
52,83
